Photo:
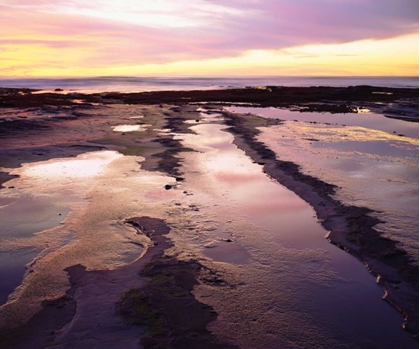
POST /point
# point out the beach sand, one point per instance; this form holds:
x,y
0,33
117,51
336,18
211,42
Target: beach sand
x,y
174,171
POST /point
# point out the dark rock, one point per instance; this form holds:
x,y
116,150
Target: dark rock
x,y
168,186
148,342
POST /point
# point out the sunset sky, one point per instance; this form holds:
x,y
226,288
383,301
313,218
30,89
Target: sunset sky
x,y
208,37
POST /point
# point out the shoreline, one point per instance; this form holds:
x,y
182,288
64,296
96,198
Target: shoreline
x,y
404,101
317,193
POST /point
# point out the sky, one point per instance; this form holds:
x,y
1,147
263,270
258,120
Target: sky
x,y
46,38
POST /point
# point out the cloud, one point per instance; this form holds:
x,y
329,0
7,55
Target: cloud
x,y
163,31
278,24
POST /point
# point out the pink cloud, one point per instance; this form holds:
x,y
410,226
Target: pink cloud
x,y
260,24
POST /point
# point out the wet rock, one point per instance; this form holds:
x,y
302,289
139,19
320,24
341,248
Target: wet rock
x,y
149,342
167,309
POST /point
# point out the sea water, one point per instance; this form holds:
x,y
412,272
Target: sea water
x,y
140,84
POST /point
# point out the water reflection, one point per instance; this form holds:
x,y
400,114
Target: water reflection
x,y
372,168
86,165
12,270
101,189
293,287
366,120
130,128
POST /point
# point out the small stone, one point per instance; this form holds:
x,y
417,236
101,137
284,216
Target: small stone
x,y
168,186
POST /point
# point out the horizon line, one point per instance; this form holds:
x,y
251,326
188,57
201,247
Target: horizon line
x,y
205,77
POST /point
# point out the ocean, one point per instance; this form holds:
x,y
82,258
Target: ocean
x,y
140,84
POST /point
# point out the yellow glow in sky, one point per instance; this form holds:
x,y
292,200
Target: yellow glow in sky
x,y
199,38
397,56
